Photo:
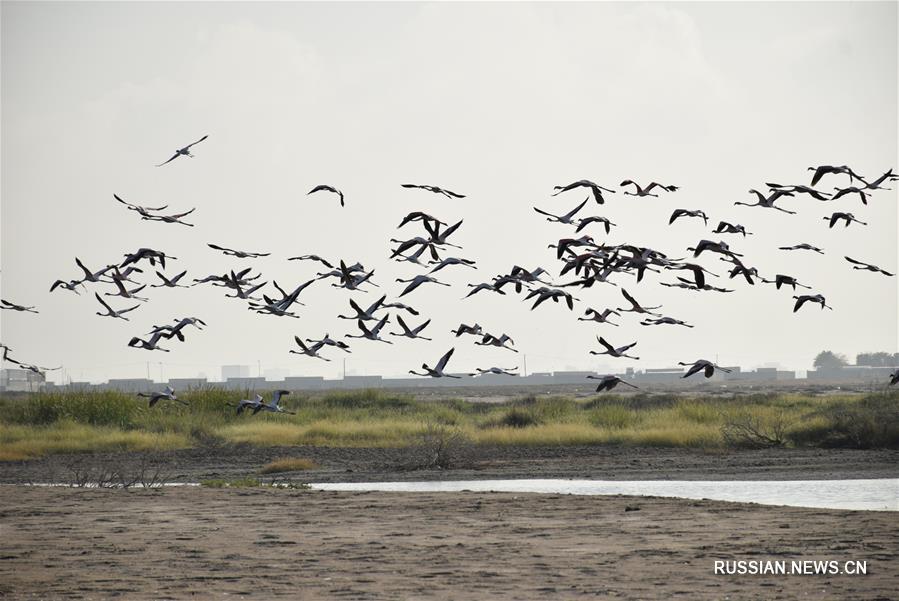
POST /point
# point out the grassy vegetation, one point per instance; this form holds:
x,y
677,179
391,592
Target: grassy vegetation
x,y
288,464
72,422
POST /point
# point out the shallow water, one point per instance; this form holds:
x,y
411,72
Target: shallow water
x,y
875,494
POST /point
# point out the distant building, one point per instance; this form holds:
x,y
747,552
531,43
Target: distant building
x,y
235,371
20,380
276,374
131,384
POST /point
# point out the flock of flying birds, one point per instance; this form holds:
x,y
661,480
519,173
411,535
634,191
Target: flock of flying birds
x,y
587,261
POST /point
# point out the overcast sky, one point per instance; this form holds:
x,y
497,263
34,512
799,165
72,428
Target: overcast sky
x,y
500,102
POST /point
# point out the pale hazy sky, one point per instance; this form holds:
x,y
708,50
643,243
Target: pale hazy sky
x,y
497,101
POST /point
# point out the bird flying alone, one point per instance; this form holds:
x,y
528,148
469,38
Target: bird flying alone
x,y
438,370
327,189
240,254
183,151
610,382
810,298
867,266
613,351
595,188
435,190
707,367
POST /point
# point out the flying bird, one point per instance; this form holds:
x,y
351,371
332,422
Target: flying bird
x,y
138,208
150,345
183,151
373,333
801,190
327,189
600,317
846,217
729,228
867,266
237,253
435,190
476,329
416,282
499,371
646,191
768,202
635,306
309,351
168,395
110,312
567,218
610,382
491,340
802,246
274,405
312,258
582,223
707,367
170,283
823,170
840,192
817,298
5,304
888,176
70,285
688,213
595,188
437,370
410,333
663,321
613,351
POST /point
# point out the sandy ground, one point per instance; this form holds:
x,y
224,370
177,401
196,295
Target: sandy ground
x,y
186,543
592,462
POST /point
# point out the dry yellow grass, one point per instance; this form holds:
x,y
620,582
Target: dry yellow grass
x,y
288,464
24,442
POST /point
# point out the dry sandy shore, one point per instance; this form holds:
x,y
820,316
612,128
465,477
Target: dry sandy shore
x,y
193,543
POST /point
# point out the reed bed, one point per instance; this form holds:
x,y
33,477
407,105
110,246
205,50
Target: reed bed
x,y
71,422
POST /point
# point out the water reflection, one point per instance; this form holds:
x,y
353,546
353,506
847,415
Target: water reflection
x,y
874,494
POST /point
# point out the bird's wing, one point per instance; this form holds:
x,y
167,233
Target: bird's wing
x,y
197,142
451,193
102,302
380,325
451,229
605,344
419,328
444,359
630,298
374,306
170,160
403,325
574,211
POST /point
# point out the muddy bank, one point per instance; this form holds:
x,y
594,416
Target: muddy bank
x,y
210,543
588,462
